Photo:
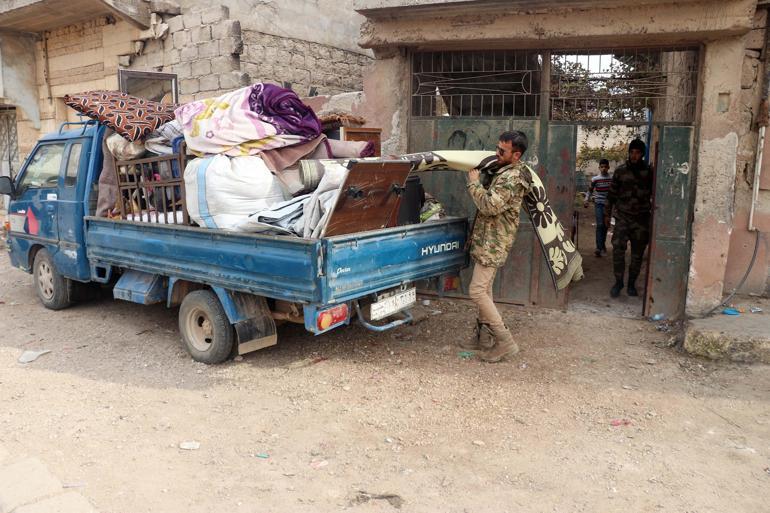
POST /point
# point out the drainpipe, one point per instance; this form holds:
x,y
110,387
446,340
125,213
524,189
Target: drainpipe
x,y
762,121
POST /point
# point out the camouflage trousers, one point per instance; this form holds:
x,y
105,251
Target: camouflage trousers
x,y
635,230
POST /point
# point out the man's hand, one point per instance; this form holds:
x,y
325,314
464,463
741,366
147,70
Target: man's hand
x,y
473,175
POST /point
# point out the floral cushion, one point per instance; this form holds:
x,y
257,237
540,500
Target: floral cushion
x,y
132,117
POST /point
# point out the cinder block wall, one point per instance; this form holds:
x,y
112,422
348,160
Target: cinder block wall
x,y
80,57
203,48
309,68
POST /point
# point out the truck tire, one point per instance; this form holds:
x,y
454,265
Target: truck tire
x,y
206,330
53,289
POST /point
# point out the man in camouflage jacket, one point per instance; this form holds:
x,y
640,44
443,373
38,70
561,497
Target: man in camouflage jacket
x,y
498,198
628,200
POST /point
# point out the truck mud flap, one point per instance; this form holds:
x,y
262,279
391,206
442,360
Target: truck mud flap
x,y
250,316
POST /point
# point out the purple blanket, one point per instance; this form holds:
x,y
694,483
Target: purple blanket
x,y
283,109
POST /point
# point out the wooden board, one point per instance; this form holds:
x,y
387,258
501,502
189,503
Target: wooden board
x,y
368,197
364,134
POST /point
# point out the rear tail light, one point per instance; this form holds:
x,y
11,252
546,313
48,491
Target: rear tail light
x,y
450,283
332,316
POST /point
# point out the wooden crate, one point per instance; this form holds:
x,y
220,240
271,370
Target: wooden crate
x,y
149,192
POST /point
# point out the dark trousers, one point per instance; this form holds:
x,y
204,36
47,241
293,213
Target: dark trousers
x,y
633,229
601,228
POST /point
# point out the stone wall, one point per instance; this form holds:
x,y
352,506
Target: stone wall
x,y
308,68
81,57
203,48
741,240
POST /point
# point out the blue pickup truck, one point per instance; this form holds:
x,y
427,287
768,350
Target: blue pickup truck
x,y
231,288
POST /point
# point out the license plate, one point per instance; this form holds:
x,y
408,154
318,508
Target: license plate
x,y
389,305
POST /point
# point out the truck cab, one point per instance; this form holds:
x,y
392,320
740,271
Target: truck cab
x,y
50,196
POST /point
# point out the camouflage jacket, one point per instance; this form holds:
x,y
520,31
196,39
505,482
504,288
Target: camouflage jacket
x,y
497,220
630,191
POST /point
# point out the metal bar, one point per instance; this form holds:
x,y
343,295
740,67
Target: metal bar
x,y
407,319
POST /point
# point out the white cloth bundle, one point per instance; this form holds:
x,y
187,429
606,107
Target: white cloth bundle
x,y
222,191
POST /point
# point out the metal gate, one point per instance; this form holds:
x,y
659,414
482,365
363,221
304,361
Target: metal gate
x,y
9,142
465,99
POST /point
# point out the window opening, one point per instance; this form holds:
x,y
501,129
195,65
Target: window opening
x,y
73,164
43,168
504,83
624,85
158,87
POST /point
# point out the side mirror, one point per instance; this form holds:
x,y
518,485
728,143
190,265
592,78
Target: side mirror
x,y
6,186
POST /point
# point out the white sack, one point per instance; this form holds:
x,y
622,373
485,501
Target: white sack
x,y
222,191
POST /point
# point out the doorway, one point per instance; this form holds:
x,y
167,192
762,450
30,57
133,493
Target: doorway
x,y
465,99
9,147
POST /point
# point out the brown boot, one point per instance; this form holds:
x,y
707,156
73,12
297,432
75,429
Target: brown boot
x,y
486,337
505,348
472,343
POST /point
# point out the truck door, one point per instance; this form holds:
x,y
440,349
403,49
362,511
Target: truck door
x,y
71,259
33,213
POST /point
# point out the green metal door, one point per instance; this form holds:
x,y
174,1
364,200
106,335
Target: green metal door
x,y
669,252
524,279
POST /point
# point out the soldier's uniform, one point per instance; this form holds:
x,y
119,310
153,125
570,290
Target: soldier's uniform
x,y
498,200
629,201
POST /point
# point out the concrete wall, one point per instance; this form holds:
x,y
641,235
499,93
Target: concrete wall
x,y
742,241
80,57
203,48
310,68
17,77
206,47
331,23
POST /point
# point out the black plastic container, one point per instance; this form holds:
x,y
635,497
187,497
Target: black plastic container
x,y
412,200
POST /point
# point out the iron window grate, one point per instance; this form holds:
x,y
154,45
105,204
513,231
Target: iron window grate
x,y
503,83
624,85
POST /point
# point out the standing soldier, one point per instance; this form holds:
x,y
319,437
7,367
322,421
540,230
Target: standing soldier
x,y
629,201
498,201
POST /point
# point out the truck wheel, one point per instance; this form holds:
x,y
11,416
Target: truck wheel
x,y
52,288
205,328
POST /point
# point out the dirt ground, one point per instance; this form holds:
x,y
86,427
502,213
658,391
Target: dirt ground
x,y
592,294
595,415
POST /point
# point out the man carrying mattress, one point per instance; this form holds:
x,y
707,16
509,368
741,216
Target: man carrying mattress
x,y
498,196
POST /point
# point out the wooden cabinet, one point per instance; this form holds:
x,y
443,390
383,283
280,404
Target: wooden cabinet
x,y
363,134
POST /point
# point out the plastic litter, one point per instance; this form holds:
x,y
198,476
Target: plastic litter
x,y
620,422
30,356
731,311
262,455
465,355
658,317
755,309
190,446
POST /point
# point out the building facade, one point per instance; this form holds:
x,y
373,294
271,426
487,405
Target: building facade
x,y
691,74
49,48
